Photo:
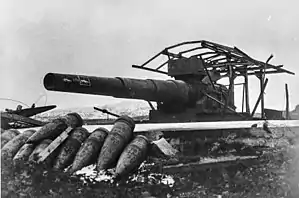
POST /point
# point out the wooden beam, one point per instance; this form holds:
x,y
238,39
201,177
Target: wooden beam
x,y
58,141
246,92
267,72
149,69
213,163
199,126
208,74
190,50
151,59
262,96
259,98
211,57
162,65
243,97
229,108
184,43
232,88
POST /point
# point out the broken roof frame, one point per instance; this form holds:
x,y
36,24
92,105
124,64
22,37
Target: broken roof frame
x,y
216,57
228,61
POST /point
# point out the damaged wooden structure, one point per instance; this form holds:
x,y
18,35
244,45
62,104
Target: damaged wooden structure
x,y
221,61
21,118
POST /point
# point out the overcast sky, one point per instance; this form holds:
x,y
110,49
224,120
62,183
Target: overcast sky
x,y
104,38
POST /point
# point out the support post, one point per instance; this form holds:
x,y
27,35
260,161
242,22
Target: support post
x,y
246,92
243,95
230,97
287,102
232,86
262,79
262,95
259,98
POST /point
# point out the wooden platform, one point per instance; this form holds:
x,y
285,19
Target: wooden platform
x,y
201,126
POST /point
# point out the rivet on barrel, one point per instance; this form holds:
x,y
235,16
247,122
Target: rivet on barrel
x,y
89,150
49,131
8,135
119,136
73,120
70,147
132,156
13,146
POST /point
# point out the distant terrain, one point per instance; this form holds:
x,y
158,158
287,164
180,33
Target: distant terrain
x,y
130,108
122,108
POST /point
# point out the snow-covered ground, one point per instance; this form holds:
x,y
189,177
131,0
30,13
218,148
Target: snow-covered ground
x,y
130,108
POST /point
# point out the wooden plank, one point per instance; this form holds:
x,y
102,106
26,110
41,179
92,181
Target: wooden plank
x,y
201,126
196,166
164,147
58,141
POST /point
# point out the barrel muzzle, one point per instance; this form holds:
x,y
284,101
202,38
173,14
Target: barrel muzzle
x,y
49,81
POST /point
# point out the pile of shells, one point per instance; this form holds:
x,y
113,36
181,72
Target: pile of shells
x,y
117,148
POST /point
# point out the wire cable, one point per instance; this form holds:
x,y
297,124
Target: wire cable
x,y
9,99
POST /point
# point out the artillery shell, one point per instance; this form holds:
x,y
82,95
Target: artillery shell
x,y
116,141
38,149
23,154
8,135
89,150
13,146
48,131
70,147
132,156
73,120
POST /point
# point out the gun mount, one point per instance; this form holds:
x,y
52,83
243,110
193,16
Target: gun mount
x,y
193,95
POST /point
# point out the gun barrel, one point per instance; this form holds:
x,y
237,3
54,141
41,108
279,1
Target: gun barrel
x,y
150,90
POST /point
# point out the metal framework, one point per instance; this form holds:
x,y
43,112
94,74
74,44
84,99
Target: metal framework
x,y
230,62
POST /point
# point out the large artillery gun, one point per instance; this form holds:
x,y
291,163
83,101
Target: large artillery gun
x,y
193,94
